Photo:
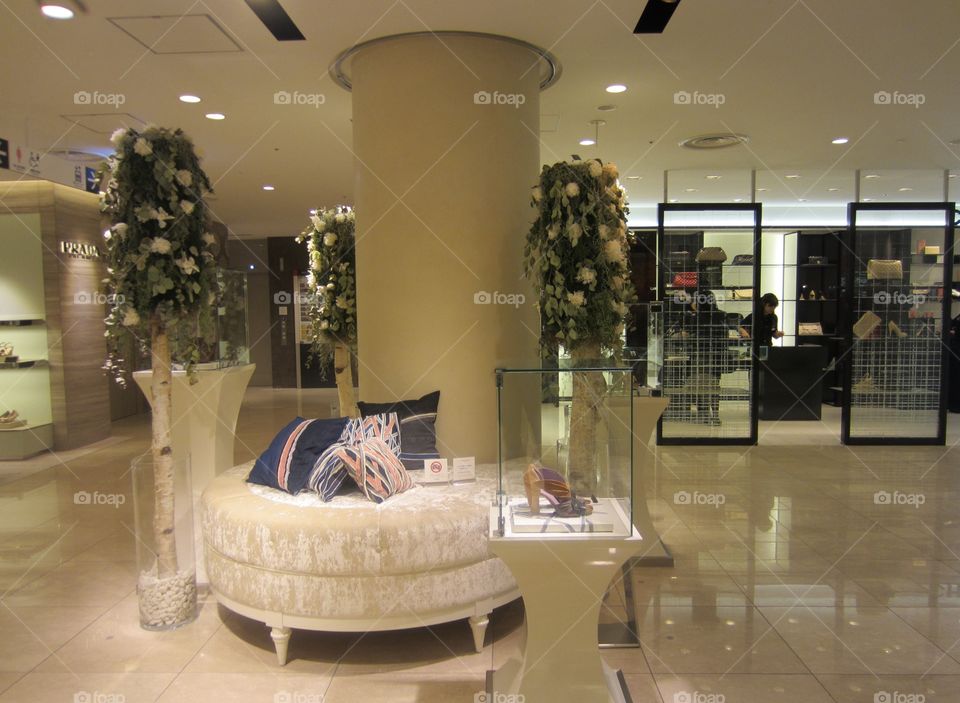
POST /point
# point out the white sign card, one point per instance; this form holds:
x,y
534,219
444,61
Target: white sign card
x,y
435,471
464,468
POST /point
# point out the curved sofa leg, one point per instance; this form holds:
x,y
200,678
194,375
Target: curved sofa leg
x,y
281,640
478,625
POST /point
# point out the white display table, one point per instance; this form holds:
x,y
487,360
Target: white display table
x,y
204,426
563,580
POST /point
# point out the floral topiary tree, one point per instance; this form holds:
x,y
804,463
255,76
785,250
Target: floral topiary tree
x,y
161,272
332,308
576,255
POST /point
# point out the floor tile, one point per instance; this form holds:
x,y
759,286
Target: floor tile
x,y
745,688
87,688
892,689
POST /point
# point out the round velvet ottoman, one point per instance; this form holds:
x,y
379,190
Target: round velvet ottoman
x,y
350,565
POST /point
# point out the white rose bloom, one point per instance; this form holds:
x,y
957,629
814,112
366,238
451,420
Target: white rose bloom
x,y
106,234
130,318
315,219
209,239
618,308
571,189
610,170
552,231
159,245
120,229
577,298
329,239
187,206
537,194
187,265
184,177
142,147
604,230
340,218
617,282
117,136
324,324
330,286
574,232
596,169
586,275
613,251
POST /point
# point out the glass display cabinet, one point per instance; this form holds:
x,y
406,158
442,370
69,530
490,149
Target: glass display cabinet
x,y
565,451
901,272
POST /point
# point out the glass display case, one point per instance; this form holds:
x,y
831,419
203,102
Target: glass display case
x,y
565,451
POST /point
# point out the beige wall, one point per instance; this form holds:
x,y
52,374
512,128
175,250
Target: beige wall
x,y
464,172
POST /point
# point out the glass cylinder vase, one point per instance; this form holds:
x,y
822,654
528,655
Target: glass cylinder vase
x,y
166,562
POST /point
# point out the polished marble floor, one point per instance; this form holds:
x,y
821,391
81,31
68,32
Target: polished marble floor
x,y
805,572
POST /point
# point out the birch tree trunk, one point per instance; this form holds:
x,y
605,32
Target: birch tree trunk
x,y
588,392
161,390
343,370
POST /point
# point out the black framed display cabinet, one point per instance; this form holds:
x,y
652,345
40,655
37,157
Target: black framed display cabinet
x,y
899,300
708,277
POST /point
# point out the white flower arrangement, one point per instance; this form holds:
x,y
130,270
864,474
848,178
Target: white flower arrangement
x,y
582,279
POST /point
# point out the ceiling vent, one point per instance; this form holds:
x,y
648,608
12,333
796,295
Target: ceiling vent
x,y
714,141
178,34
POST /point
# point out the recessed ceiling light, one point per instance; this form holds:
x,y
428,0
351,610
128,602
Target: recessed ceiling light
x,y
868,200
840,140
251,267
738,200
801,200
215,116
269,187
616,88
904,189
762,190
792,176
674,200
189,99
690,190
56,12
713,177
606,108
952,175
634,178
871,175
587,142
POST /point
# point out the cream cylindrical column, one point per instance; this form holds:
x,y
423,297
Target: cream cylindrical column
x,y
446,140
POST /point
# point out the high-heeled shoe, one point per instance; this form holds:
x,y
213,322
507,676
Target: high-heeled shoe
x,y
6,349
9,417
541,481
894,329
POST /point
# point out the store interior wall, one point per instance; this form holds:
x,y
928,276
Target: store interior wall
x,y
250,256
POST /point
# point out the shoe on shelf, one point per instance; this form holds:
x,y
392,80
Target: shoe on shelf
x,y
865,385
894,329
541,481
9,417
6,349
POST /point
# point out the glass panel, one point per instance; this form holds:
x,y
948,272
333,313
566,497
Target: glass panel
x,y
644,191
232,339
707,294
566,449
897,327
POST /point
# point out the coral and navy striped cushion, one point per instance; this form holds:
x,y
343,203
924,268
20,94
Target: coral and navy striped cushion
x,y
290,459
371,463
418,420
385,426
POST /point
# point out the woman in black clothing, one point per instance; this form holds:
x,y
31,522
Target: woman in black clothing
x,y
768,321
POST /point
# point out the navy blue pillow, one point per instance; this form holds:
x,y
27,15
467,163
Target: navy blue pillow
x,y
418,426
288,461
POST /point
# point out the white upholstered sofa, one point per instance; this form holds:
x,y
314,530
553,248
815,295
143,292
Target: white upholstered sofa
x,y
350,565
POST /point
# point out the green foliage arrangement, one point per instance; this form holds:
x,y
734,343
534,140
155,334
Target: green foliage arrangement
x,y
577,255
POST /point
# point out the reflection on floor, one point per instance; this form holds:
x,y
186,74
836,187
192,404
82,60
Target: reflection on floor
x,y
806,572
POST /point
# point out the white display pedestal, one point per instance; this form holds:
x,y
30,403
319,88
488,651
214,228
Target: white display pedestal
x,y
204,425
563,580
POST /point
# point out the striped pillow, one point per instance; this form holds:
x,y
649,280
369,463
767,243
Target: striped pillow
x,y
371,463
385,426
418,420
290,459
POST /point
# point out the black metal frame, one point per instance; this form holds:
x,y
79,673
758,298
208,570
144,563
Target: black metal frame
x,y
952,218
757,210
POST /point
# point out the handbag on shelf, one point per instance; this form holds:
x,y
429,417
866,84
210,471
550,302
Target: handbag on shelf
x,y
743,294
742,260
711,255
685,279
817,260
865,326
884,270
810,329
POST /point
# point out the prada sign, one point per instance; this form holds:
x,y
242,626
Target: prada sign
x,y
80,250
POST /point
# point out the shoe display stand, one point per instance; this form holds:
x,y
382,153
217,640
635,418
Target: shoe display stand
x,y
563,579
